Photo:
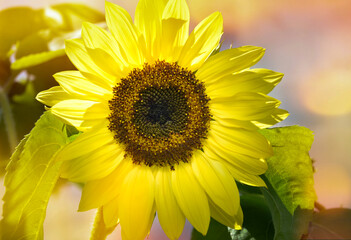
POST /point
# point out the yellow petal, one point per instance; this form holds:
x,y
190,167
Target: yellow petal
x,y
242,162
277,116
98,80
169,214
148,20
248,106
104,50
240,172
239,218
99,192
244,177
87,142
228,62
82,114
233,123
52,96
201,42
94,165
175,29
191,197
79,56
252,80
110,213
97,37
75,83
106,62
233,221
124,31
136,203
217,182
242,141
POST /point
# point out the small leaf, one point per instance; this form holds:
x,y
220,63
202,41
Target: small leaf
x,y
71,131
33,43
36,59
243,234
290,169
100,231
216,231
30,178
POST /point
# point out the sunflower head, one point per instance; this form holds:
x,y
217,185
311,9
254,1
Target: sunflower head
x,y
167,126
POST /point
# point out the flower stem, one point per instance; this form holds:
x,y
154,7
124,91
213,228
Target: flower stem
x,y
8,119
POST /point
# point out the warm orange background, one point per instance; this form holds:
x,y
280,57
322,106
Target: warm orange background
x,y
309,41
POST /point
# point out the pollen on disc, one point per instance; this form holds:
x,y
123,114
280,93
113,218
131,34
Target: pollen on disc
x,y
160,114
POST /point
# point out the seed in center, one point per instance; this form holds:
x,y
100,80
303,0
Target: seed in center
x,y
160,114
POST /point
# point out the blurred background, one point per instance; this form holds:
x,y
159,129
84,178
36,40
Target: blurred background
x,y
308,41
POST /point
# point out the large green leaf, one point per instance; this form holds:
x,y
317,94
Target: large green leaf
x,y
287,226
257,217
290,170
290,193
30,178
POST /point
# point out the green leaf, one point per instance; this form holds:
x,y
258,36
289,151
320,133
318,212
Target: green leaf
x,y
33,43
287,226
290,170
290,194
30,178
257,217
216,231
72,131
243,234
36,59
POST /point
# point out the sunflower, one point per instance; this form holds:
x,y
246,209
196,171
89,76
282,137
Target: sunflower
x,y
168,124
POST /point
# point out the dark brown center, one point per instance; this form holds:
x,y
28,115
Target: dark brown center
x,y
160,114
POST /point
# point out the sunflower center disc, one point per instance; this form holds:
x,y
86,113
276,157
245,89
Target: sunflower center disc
x,y
160,114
